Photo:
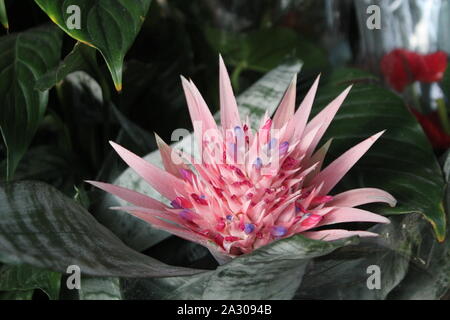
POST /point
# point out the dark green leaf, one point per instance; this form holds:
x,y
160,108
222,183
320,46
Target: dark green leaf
x,y
110,26
428,277
80,58
25,278
401,162
45,163
94,288
3,15
429,273
344,274
263,50
271,272
41,227
16,295
24,58
140,137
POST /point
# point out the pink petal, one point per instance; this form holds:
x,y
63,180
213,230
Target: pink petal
x,y
304,110
318,157
357,197
340,215
158,223
335,234
204,113
332,174
168,157
164,182
130,196
324,118
286,109
198,109
229,114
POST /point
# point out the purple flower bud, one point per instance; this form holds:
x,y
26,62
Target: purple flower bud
x,y
175,204
188,175
249,228
238,132
284,147
258,163
272,143
278,231
186,215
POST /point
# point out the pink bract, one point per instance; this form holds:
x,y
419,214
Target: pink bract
x,y
252,187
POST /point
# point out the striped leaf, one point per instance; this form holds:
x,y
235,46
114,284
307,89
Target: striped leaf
x,y
402,161
42,227
271,272
17,295
95,288
26,278
344,274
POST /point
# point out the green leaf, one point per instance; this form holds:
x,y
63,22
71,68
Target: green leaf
x,y
264,95
41,227
94,288
140,137
80,58
16,295
110,26
429,274
3,15
272,272
45,163
26,277
344,274
428,277
24,58
263,50
401,162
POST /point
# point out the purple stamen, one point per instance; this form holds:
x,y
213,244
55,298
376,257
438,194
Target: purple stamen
x,y
271,143
229,217
284,148
258,163
238,132
175,204
249,228
278,231
186,215
187,175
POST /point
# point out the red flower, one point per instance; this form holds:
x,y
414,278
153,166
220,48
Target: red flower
x,y
402,67
439,139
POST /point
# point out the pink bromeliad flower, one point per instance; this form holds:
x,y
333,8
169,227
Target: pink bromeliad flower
x,y
250,188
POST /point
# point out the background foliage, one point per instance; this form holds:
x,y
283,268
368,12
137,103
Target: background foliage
x,y
64,93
